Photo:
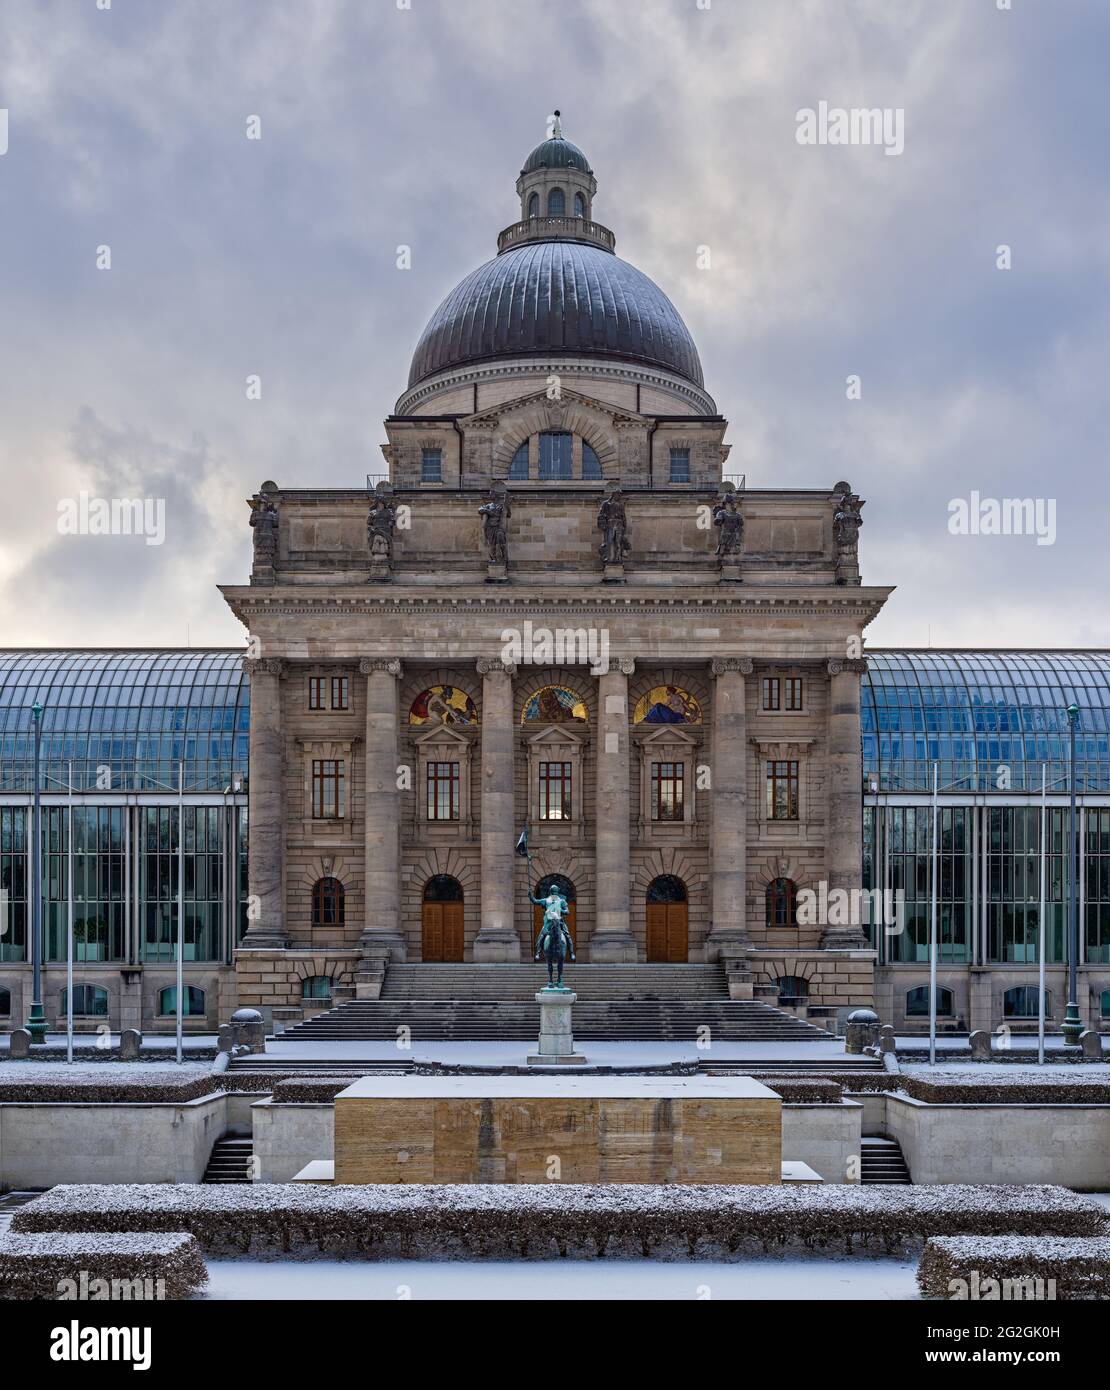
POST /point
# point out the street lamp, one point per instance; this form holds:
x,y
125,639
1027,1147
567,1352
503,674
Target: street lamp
x,y
36,1020
1073,1024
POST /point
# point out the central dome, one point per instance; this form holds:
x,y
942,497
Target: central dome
x,y
547,297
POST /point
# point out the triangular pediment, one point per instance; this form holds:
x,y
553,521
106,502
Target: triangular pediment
x,y
669,733
442,734
558,414
556,733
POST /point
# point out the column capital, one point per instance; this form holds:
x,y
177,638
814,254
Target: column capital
x,y
837,666
732,666
623,665
494,666
265,666
388,664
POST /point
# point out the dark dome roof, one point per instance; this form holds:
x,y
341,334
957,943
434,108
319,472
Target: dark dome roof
x,y
556,153
556,296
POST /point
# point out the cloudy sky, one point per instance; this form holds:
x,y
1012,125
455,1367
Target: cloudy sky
x,y
388,122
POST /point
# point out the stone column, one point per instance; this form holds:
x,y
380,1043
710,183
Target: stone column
x,y
382,937
728,833
612,939
266,818
844,834
497,939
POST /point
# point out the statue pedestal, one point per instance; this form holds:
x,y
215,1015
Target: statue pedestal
x,y
556,1045
612,573
730,572
381,571
497,574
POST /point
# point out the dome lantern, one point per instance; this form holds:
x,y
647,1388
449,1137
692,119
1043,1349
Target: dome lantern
x,y
556,189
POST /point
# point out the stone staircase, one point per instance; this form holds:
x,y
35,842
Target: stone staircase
x,y
230,1160
882,1161
484,1003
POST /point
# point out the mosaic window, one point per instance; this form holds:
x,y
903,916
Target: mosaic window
x,y
554,704
667,704
443,704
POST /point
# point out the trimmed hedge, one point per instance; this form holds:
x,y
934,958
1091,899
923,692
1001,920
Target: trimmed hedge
x,y
545,1220
1080,1267
86,1090
34,1266
1000,1092
804,1090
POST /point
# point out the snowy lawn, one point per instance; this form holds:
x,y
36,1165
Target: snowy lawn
x,y
1014,1073
825,1279
83,1072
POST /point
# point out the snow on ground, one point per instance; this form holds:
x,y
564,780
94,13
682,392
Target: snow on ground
x,y
818,1278
505,1053
160,1042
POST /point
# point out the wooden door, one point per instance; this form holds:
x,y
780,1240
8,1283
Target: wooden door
x,y
442,932
571,919
668,933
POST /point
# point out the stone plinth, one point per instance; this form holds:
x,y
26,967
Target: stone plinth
x,y
556,1044
578,1128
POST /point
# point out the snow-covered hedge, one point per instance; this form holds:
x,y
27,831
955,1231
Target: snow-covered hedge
x,y
525,1220
804,1090
962,1266
96,1084
310,1090
1009,1085
99,1266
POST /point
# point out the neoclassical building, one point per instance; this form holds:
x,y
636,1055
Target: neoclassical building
x,y
559,608
555,608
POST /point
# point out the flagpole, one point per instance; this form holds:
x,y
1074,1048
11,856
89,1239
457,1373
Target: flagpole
x,y
69,930
180,905
1040,919
933,937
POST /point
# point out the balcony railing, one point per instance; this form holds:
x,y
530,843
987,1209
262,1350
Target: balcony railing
x,y
556,229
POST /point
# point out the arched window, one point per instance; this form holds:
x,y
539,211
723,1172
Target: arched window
x,y
193,1006
917,1002
89,1001
442,888
556,883
443,704
782,907
556,203
534,205
666,889
591,464
5,1003
579,205
518,467
316,987
556,455
327,902
1021,1002
793,989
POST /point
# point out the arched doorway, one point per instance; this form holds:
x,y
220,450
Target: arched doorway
x,y
568,890
441,920
668,920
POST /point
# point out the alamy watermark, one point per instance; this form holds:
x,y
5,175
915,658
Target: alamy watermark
x,y
560,646
84,515
1006,516
856,125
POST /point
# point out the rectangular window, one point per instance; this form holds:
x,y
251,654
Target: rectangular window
x,y
555,801
327,789
680,465
782,789
771,696
431,465
340,692
556,456
443,791
793,692
317,685
667,791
